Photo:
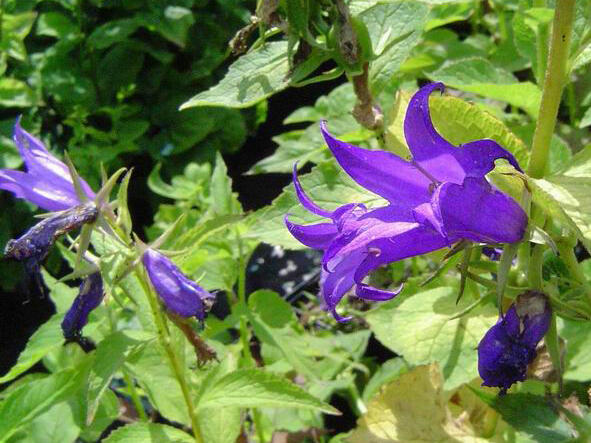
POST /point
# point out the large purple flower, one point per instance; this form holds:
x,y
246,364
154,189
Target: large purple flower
x,y
179,294
439,197
510,345
47,182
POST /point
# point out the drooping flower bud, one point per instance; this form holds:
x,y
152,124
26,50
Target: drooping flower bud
x,y
179,294
90,296
509,346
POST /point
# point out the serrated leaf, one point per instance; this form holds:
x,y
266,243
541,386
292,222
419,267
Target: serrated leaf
x,y
394,28
223,200
220,425
110,355
48,337
148,433
421,329
34,398
255,388
481,77
250,79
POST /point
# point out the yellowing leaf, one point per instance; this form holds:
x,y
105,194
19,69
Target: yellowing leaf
x,y
413,408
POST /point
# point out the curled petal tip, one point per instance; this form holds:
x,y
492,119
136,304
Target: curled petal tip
x,y
304,199
370,293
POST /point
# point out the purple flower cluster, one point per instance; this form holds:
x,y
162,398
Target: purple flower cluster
x,y
48,184
439,197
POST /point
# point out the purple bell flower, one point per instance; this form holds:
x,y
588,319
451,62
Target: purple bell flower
x,y
179,294
438,198
510,346
90,296
47,182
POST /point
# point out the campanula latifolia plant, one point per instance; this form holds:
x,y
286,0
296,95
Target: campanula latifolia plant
x,y
425,268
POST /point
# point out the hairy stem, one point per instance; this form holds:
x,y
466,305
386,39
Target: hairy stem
x,y
165,342
554,81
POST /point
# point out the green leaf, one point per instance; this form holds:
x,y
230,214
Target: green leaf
x,y
531,415
54,24
567,200
326,185
55,425
220,425
48,337
15,27
274,322
223,200
578,359
394,30
112,32
110,355
443,14
586,119
148,432
16,93
481,77
250,79
32,399
152,371
254,388
421,329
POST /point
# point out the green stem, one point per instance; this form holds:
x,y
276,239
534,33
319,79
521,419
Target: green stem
x,y
165,342
534,271
553,346
554,81
135,398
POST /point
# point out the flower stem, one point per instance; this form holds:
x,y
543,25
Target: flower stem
x,y
165,342
135,398
554,81
553,346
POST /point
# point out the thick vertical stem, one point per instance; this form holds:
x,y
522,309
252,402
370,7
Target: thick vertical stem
x,y
165,342
554,81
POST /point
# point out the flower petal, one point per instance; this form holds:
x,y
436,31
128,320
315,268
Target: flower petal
x,y
415,240
304,199
37,190
429,149
380,172
318,236
478,157
479,212
334,284
41,163
374,294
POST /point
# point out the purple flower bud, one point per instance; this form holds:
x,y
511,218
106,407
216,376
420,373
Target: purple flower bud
x,y
509,347
90,296
179,294
47,182
34,245
438,198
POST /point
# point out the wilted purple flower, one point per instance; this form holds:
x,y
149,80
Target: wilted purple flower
x,y
510,345
90,296
179,294
33,246
47,182
439,197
